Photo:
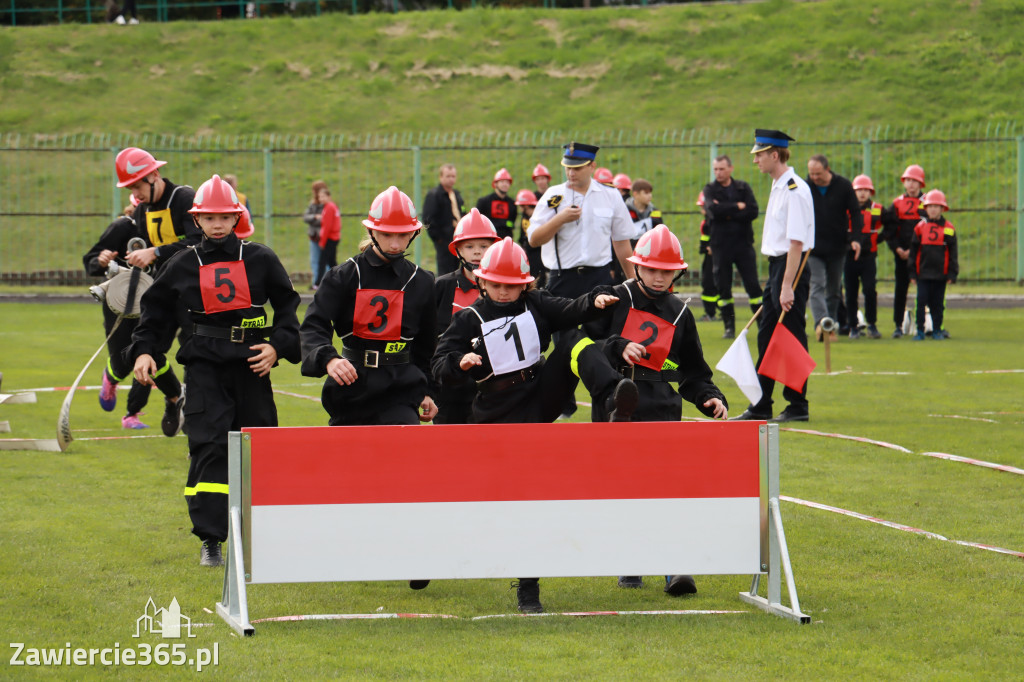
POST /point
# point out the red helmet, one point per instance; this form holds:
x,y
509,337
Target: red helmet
x,y
935,198
659,249
526,197
540,171
622,181
505,262
700,199
216,196
133,164
604,176
473,225
864,182
503,174
244,228
392,211
914,172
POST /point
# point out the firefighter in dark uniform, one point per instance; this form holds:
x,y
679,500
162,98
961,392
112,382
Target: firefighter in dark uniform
x,y
528,201
708,291
162,216
220,287
861,267
898,223
933,262
112,247
731,208
498,206
498,342
382,307
455,291
654,342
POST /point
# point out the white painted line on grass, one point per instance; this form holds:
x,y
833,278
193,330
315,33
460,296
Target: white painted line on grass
x,y
891,446
899,526
960,416
577,614
350,616
976,462
296,395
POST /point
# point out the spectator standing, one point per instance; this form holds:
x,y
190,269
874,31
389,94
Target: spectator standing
x,y
527,200
708,291
312,220
498,207
861,266
731,208
330,235
788,233
835,209
933,262
442,209
898,223
642,212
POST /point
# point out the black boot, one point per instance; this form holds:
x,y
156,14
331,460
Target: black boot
x,y
729,321
528,595
418,584
210,554
678,585
622,403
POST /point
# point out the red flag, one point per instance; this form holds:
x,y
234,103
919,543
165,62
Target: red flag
x,y
786,359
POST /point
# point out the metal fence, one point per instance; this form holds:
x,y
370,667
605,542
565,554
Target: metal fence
x,y
57,193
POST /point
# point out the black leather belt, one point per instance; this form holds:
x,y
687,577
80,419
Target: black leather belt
x,y
638,373
579,270
505,381
375,358
232,334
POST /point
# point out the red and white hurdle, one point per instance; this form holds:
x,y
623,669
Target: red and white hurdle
x,y
328,504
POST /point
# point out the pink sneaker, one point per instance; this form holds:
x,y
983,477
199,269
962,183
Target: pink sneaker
x,y
131,421
108,393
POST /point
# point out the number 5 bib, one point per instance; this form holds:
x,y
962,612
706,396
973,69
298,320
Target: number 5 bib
x,y
224,286
512,343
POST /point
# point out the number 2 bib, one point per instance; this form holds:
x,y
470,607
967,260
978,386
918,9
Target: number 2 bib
x,y
378,314
224,286
512,343
651,332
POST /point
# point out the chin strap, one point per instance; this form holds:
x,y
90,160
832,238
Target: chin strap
x,y
386,255
651,292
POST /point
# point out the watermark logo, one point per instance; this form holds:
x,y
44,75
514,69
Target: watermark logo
x,y
166,622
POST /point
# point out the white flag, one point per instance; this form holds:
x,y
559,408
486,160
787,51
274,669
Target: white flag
x,y
738,364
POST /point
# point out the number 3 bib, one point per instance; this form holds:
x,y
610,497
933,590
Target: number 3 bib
x,y
651,332
378,314
512,343
224,286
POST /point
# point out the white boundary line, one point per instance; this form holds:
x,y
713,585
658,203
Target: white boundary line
x,y
881,443
575,614
960,416
898,526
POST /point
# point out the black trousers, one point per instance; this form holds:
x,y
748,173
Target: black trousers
x,y
794,322
222,397
328,260
575,282
708,291
119,369
390,394
738,254
901,273
858,273
455,404
446,262
931,293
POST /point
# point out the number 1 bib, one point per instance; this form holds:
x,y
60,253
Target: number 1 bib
x,y
224,286
512,343
378,314
651,332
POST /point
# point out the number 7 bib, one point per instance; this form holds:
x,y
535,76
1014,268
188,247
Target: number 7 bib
x,y
378,314
512,343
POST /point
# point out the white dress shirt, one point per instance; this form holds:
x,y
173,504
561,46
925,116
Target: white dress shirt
x,y
789,216
583,242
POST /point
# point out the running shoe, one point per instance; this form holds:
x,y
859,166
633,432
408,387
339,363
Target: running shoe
x,y
131,421
174,418
108,393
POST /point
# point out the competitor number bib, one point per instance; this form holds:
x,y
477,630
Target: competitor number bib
x,y
512,343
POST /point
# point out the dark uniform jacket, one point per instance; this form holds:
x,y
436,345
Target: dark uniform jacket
x,y
501,211
167,223
834,213
867,230
551,313
437,213
933,251
114,238
176,296
684,364
727,222
334,308
899,221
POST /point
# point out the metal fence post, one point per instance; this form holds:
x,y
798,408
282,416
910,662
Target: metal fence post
x,y
866,147
1020,209
115,191
417,192
712,153
268,197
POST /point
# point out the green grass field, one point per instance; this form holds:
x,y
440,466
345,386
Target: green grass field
x,y
88,536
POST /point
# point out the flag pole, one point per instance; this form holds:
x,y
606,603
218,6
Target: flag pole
x,y
796,279
756,315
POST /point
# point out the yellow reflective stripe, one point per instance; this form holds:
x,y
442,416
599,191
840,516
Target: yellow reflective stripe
x,y
669,365
207,488
722,302
705,237
709,299
756,301
163,370
574,354
113,376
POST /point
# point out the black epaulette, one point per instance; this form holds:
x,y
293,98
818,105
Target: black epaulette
x,y
791,184
554,201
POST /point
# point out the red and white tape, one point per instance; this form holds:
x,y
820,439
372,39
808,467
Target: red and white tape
x,y
575,614
880,443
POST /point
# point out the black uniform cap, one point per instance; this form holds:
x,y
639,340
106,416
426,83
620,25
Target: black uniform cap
x,y
578,154
766,139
